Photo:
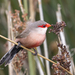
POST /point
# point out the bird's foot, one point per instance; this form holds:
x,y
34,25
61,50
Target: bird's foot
x,y
35,52
18,45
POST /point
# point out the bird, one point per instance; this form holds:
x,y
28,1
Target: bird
x,y
33,36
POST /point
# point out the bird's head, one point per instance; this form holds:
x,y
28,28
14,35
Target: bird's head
x,y
39,26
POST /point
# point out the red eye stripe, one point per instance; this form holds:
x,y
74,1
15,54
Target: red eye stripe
x,y
45,25
42,26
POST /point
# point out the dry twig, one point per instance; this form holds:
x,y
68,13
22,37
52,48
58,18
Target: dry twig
x,y
34,52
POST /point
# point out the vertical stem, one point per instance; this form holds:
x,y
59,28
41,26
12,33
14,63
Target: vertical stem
x,y
40,63
32,11
59,19
21,6
62,35
31,63
30,56
41,66
26,7
45,42
9,35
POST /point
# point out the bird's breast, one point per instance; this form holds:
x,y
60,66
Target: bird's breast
x,y
32,40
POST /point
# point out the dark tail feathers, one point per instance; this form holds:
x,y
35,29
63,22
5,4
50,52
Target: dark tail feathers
x,y
10,54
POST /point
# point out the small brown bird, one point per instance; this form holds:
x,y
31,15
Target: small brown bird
x,y
31,37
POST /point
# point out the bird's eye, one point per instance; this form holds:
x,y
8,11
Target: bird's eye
x,y
44,25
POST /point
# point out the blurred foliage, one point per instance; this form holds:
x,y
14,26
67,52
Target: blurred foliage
x,y
49,11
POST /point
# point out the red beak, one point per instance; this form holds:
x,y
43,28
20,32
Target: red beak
x,y
48,25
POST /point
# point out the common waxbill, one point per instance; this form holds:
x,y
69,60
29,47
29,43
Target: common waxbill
x,y
31,37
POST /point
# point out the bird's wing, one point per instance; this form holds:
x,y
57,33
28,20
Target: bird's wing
x,y
24,34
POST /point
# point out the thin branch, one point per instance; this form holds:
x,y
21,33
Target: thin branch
x,y
37,54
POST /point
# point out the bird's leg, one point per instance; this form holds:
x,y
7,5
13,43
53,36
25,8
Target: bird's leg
x,y
18,46
35,52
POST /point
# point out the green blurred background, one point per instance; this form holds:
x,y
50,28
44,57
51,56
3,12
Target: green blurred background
x,y
49,11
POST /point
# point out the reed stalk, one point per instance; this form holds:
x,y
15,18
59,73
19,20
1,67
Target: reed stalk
x,y
45,42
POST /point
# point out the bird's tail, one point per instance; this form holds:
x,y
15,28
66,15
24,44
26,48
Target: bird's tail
x,y
10,54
